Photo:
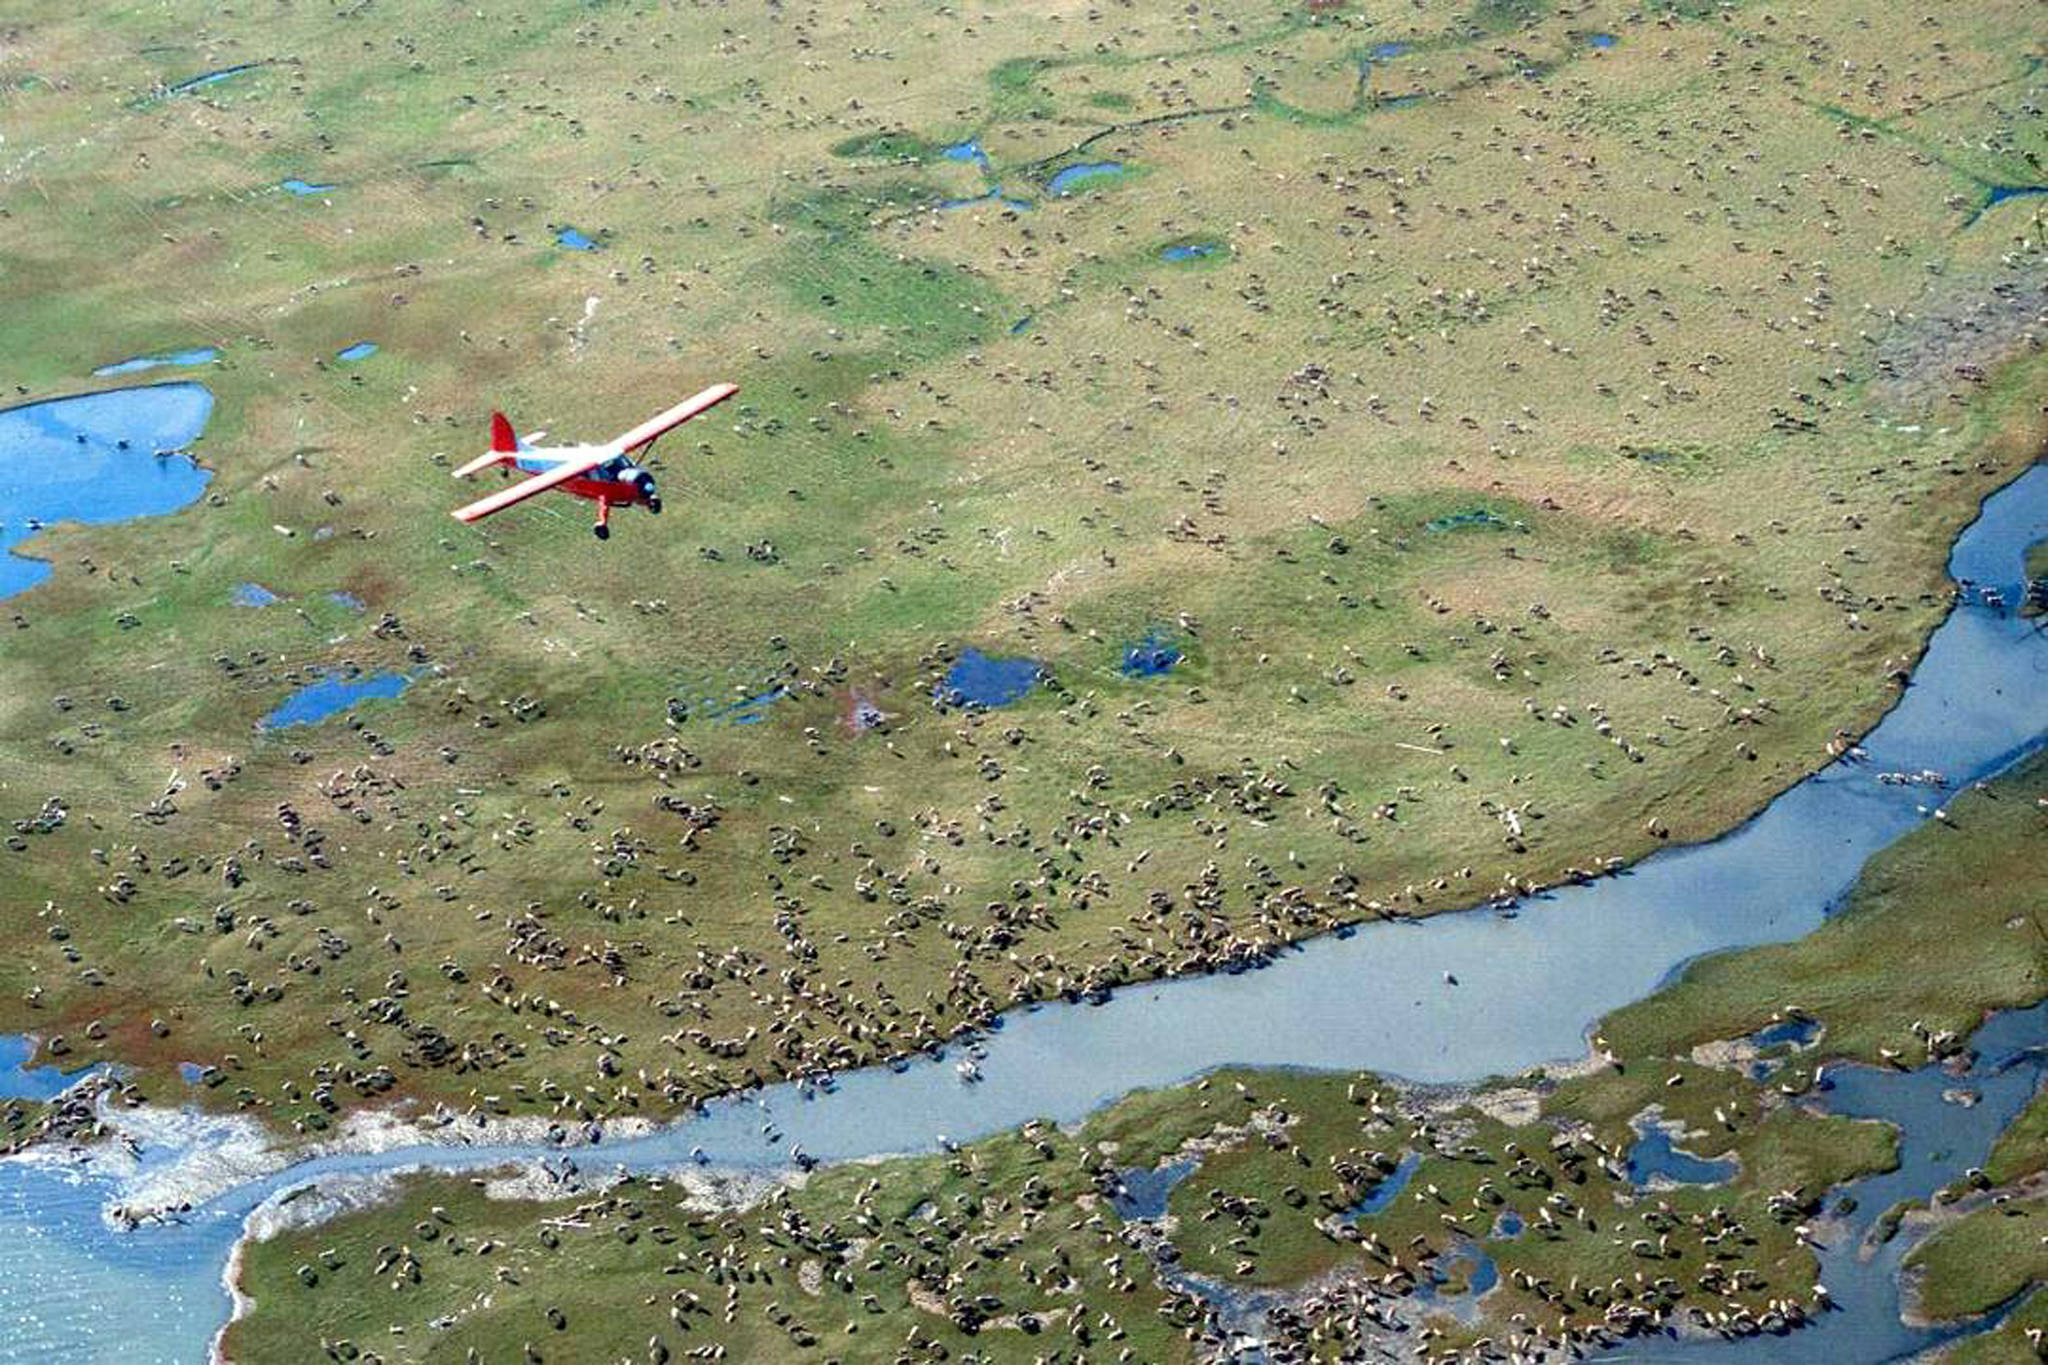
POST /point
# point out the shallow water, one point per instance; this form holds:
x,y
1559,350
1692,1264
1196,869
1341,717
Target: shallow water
x,y
1375,999
317,701
19,1081
2000,193
751,710
969,150
1388,1190
1152,657
1187,251
574,240
1939,1141
62,460
198,355
73,1289
1789,1032
211,78
1654,1155
302,188
1144,1192
361,350
980,679
1063,182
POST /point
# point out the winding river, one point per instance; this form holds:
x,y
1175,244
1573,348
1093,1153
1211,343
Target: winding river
x,y
1527,987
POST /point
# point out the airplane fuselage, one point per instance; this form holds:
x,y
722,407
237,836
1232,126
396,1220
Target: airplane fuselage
x,y
613,482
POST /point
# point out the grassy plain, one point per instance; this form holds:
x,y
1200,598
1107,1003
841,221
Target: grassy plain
x,y
1984,1258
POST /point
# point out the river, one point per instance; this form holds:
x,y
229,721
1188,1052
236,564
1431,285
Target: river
x,y
1375,998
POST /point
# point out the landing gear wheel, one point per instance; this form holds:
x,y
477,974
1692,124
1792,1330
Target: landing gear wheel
x,y
654,506
601,531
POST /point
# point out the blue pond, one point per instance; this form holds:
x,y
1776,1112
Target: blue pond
x,y
346,599
1187,251
1601,40
2001,193
746,711
1151,657
1479,1272
969,150
1508,1225
198,355
574,240
1793,1032
1388,1190
1455,521
315,702
99,457
211,78
1388,51
20,1081
1653,1155
1020,324
978,679
1141,1194
362,350
302,188
1064,181
253,595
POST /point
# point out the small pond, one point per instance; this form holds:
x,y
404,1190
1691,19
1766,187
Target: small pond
x,y
978,679
317,701
1063,182
198,355
1653,1155
99,457
1142,1193
1152,657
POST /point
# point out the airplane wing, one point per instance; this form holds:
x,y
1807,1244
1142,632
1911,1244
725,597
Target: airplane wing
x,y
539,483
675,416
483,461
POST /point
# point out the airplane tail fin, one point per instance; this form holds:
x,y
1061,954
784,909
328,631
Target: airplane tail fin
x,y
504,447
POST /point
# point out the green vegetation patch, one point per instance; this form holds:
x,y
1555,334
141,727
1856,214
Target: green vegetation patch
x,y
1978,1261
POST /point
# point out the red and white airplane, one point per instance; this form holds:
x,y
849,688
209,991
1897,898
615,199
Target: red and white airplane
x,y
607,474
